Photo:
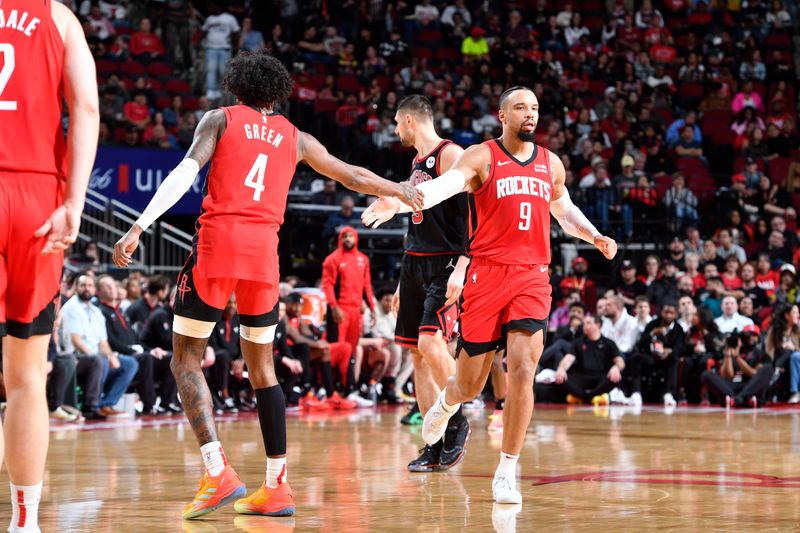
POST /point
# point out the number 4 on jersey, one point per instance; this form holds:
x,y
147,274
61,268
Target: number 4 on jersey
x,y
255,178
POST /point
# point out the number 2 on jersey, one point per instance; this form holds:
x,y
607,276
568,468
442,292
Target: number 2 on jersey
x,y
255,178
7,51
525,215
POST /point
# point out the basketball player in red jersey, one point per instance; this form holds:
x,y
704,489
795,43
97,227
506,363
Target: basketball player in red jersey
x,y
515,186
253,152
44,58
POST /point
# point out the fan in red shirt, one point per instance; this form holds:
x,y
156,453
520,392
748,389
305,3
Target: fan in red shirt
x,y
144,42
515,185
579,281
44,60
253,153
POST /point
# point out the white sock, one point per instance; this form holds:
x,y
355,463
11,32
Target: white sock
x,y
213,457
447,407
508,465
25,507
276,472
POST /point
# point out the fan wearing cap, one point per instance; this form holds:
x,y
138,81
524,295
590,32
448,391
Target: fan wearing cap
x,y
629,286
622,183
475,47
580,282
745,371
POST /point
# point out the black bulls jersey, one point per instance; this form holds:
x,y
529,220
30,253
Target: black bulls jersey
x,y
442,228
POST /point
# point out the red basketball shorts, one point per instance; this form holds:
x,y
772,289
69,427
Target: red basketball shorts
x,y
501,298
202,298
29,281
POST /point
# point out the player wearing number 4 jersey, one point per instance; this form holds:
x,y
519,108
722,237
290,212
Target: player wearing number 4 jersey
x,y
515,185
44,59
253,152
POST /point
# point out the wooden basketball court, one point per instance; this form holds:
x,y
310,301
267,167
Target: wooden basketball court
x,y
603,469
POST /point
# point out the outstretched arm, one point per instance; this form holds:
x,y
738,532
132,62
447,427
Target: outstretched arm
x,y
353,177
208,131
570,218
467,173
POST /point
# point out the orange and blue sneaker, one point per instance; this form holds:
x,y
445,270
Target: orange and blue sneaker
x,y
214,492
268,502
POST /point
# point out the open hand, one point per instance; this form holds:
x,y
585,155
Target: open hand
x,y
382,210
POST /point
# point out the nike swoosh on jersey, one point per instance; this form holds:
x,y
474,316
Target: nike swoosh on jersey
x,y
501,163
543,269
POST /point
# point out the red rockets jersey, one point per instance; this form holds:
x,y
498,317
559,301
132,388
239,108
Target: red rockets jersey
x,y
510,213
247,187
31,63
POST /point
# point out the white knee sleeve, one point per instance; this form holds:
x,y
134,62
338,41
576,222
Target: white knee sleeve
x,y
189,327
258,335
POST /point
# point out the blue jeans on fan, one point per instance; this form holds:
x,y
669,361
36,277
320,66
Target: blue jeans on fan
x,y
794,372
117,380
216,65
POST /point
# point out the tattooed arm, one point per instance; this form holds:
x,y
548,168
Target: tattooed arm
x,y
355,178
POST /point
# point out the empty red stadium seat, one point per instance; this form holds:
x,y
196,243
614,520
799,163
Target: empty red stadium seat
x,y
132,68
779,169
159,70
448,54
106,67
191,103
777,40
348,84
177,87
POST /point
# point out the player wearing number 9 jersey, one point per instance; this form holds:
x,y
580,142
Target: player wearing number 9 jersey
x,y
515,185
253,153
44,60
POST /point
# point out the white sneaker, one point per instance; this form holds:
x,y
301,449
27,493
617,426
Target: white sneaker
x,y
635,399
504,517
435,422
669,401
504,488
795,398
617,396
360,400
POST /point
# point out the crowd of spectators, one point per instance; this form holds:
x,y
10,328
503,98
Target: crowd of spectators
x,y
676,122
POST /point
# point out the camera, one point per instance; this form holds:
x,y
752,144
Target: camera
x,y
732,340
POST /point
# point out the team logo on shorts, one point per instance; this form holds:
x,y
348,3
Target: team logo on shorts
x,y
183,287
430,162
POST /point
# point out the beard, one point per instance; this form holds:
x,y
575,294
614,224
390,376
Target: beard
x,y
405,142
85,296
348,245
526,136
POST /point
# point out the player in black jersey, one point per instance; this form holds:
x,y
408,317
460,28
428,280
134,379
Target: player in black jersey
x,y
431,279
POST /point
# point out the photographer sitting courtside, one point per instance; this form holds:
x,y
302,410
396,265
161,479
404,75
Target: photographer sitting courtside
x,y
744,374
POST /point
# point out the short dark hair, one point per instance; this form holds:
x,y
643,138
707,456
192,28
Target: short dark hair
x,y
507,92
157,284
383,291
417,105
257,78
577,304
